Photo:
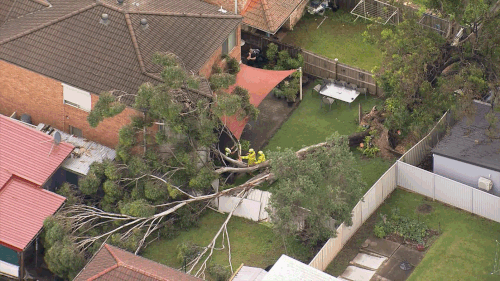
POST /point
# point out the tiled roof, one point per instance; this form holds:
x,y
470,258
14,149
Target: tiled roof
x,y
11,9
27,159
268,15
468,140
67,42
23,208
112,263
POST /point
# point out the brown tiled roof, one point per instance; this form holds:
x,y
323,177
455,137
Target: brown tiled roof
x,y
268,15
11,9
67,42
112,263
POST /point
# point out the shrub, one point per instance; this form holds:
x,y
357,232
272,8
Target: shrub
x,y
221,81
218,272
367,148
379,230
233,66
403,226
188,251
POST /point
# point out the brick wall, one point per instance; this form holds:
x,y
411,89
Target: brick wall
x,y
296,15
206,69
24,91
228,4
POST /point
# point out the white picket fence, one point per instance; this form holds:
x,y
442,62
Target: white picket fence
x,y
448,191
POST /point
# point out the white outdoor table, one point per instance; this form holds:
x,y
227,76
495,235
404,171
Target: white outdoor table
x,y
339,93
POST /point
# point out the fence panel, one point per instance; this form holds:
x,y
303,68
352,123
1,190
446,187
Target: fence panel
x,y
328,252
348,232
485,205
264,202
416,179
453,193
261,42
369,202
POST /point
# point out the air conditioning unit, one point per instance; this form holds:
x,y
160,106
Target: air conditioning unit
x,y
484,184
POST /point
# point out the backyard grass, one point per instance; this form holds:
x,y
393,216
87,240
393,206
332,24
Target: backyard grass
x,y
337,37
465,250
310,124
252,243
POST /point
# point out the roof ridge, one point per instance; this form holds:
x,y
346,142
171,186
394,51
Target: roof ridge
x,y
22,34
134,43
8,13
41,2
267,13
221,16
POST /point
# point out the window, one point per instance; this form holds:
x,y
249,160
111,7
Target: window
x,y
75,132
76,97
229,44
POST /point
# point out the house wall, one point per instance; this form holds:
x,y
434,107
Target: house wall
x,y
206,69
465,173
24,91
296,15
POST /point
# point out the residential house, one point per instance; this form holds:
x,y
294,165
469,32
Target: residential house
x,y
57,57
112,263
28,159
265,15
468,153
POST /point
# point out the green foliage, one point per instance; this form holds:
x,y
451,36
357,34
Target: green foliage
x,y
70,192
155,191
221,81
318,182
112,191
64,260
130,243
233,65
187,251
379,231
218,272
89,184
368,149
245,145
403,226
106,106
271,52
203,179
216,69
137,208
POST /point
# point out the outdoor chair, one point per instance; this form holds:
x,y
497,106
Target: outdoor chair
x,y
362,91
328,101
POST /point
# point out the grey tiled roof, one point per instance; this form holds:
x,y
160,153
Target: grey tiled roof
x,y
11,9
67,42
468,141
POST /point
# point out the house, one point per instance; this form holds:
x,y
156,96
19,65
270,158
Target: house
x,y
56,58
265,15
468,153
28,159
286,268
112,263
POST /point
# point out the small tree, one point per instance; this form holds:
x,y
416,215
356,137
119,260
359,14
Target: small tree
x,y
321,185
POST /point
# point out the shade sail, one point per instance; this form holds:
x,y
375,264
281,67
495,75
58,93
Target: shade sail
x,y
258,82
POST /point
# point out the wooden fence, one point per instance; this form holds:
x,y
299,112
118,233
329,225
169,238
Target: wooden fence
x,y
318,66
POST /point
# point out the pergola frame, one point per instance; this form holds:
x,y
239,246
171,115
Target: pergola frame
x,y
374,9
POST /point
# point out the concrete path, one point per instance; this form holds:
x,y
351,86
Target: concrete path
x,y
354,273
368,261
381,247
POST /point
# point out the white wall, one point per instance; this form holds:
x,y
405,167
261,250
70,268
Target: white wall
x,y
465,173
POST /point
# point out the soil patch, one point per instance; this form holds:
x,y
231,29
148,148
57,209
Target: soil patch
x,y
424,209
412,243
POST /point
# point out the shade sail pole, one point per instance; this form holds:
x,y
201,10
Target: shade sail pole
x,y
300,70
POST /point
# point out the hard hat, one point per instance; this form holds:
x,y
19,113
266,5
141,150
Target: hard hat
x,y
251,150
260,152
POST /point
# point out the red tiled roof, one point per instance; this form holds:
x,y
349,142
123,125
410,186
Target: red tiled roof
x,y
27,160
268,15
24,152
23,208
112,263
259,83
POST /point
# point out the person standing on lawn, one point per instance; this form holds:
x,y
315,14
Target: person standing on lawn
x,y
250,156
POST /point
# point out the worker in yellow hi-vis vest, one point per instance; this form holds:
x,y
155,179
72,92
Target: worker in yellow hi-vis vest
x,y
250,156
262,157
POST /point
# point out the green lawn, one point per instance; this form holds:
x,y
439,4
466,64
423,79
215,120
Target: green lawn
x,y
465,250
252,243
337,37
310,124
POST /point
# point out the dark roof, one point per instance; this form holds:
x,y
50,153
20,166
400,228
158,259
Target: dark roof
x,y
268,15
67,42
12,9
468,141
112,263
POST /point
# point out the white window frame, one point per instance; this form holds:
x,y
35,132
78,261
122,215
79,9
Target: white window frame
x,y
77,98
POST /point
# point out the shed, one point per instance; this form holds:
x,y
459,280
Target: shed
x,y
287,268
468,153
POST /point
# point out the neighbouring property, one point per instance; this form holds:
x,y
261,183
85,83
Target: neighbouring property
x,y
56,58
112,263
468,155
28,160
265,15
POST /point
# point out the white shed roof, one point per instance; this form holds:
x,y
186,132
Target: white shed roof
x,y
289,269
248,273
